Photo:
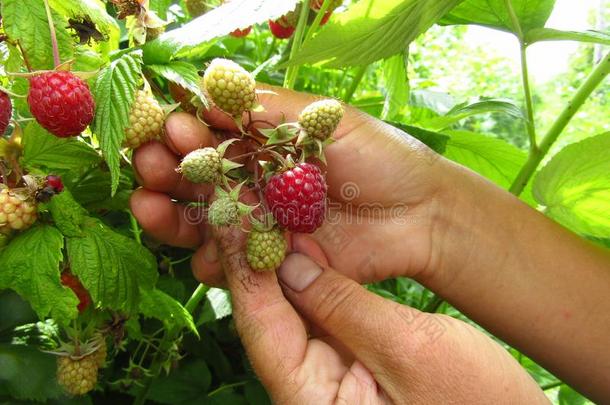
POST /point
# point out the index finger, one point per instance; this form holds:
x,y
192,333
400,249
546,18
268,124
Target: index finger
x,y
272,332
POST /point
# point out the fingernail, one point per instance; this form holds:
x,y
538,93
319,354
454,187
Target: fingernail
x,y
210,254
298,272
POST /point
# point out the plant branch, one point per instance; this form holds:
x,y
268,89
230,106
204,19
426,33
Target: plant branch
x,y
293,70
531,124
349,94
316,22
582,94
56,59
529,104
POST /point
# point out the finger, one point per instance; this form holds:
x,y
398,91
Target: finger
x,y
156,167
185,133
206,266
271,331
380,333
280,105
164,220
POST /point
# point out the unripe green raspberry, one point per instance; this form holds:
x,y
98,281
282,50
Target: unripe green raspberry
x,y
224,212
229,86
321,118
77,377
16,212
196,7
145,120
202,166
266,250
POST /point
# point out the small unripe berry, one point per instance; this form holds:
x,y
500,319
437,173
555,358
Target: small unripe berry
x,y
229,86
224,212
321,118
266,250
202,166
77,377
16,213
145,120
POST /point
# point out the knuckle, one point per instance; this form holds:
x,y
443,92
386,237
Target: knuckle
x,y
337,297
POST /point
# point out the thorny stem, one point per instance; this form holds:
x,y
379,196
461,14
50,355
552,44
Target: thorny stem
x,y
582,94
56,59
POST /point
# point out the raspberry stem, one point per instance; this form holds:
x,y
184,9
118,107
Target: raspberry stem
x,y
56,59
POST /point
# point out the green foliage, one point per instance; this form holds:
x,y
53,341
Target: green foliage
x,y
114,91
494,14
26,22
372,30
574,187
35,275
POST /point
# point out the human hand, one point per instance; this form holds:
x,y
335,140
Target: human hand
x,y
317,337
384,188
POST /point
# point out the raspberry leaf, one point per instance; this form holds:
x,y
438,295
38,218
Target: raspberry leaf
x,y
114,93
30,266
67,214
157,304
43,150
182,73
112,267
26,22
371,30
95,11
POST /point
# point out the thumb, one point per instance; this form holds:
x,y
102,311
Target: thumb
x,y
382,334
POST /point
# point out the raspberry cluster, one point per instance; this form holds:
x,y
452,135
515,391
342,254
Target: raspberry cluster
x,y
145,120
277,165
17,211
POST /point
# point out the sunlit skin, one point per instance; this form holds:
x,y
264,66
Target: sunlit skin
x,y
434,221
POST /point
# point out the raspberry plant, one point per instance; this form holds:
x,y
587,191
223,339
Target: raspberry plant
x,y
101,309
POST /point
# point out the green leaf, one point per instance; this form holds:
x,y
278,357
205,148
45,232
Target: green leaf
x,y
371,30
492,158
549,34
95,10
435,141
30,266
114,92
27,373
67,214
396,85
157,304
182,73
493,13
43,150
468,109
91,189
575,186
567,396
214,24
217,306
113,268
186,385
27,23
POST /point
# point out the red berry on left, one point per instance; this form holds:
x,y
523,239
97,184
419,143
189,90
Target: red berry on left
x,y
241,33
61,103
55,183
6,110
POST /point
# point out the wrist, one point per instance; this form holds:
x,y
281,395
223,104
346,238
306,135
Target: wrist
x,y
472,228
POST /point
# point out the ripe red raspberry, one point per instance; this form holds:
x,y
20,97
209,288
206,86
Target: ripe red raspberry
x,y
6,110
280,31
70,281
297,198
61,103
